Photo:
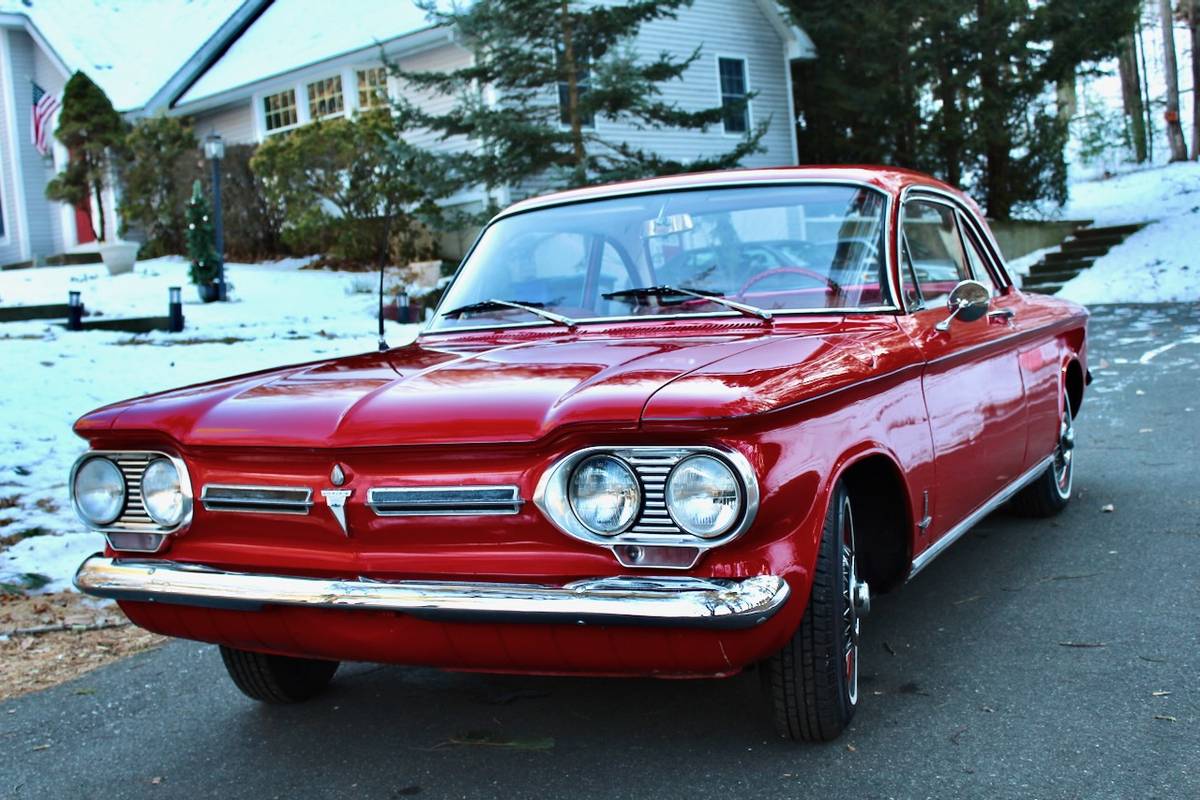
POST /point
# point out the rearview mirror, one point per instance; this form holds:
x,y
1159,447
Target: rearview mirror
x,y
968,301
667,225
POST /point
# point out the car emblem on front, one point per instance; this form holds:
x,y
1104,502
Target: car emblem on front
x,y
336,499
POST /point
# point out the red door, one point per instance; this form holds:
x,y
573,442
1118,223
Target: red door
x,y
972,382
84,232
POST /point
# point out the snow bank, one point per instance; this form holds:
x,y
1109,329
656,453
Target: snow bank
x,y
1161,262
280,315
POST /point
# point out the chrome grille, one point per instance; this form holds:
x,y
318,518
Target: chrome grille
x,y
652,469
444,501
135,516
257,499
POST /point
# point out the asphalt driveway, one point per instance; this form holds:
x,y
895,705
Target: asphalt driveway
x,y
1047,659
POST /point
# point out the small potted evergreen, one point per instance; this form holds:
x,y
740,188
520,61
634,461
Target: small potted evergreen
x,y
201,248
92,132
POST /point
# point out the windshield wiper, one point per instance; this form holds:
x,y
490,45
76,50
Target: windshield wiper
x,y
496,305
674,291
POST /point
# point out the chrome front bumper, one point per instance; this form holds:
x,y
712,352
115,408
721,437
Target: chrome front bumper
x,y
625,600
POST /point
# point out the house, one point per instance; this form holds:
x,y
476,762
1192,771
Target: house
x,y
42,43
250,69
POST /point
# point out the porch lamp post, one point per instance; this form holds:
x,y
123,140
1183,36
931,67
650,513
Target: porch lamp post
x,y
214,150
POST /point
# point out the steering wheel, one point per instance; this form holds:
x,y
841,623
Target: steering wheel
x,y
830,285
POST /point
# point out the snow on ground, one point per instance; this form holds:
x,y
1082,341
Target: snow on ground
x,y
279,314
1161,262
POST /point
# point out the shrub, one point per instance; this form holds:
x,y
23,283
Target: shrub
x,y
201,247
157,169
353,187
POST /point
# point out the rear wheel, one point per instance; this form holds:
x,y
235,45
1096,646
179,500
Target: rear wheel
x,y
277,679
1051,491
813,681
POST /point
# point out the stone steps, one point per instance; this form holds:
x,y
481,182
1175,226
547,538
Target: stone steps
x,y
1075,255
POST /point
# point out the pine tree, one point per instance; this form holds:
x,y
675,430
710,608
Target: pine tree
x,y
544,72
92,131
201,246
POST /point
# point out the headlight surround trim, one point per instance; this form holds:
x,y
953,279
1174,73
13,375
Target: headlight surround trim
x,y
550,497
118,525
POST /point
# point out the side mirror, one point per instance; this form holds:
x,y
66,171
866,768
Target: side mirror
x,y
968,301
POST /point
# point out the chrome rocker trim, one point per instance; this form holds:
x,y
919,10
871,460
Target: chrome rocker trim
x,y
1000,498
625,600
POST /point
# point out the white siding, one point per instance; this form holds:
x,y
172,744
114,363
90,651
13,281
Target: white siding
x,y
10,242
730,28
234,123
440,59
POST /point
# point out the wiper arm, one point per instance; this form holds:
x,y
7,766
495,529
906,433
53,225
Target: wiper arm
x,y
674,291
495,305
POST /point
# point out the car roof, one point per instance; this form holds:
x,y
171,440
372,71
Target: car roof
x,y
892,180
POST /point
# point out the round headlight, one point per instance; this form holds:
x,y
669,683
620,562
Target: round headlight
x,y
604,494
162,493
703,496
99,491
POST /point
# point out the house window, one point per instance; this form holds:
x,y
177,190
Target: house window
x,y
583,82
279,110
372,87
735,94
325,98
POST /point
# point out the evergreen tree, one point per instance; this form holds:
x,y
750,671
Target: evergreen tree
x,y
154,188
92,131
544,72
201,246
965,89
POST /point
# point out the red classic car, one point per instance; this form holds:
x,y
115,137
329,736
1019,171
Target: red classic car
x,y
674,427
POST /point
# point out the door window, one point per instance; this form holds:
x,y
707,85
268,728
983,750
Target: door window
x,y
979,263
933,259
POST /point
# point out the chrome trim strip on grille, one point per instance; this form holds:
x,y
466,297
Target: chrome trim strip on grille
x,y
625,600
134,518
257,499
654,526
444,501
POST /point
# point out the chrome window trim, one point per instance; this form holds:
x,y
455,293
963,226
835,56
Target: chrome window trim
x,y
896,307
185,485
454,504
551,498
254,505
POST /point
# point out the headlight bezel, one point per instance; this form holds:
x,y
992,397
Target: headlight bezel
x,y
130,535
550,496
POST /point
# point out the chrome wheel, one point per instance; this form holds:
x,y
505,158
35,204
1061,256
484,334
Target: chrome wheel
x,y
1064,453
856,600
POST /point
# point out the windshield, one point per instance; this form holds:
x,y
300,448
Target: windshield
x,y
795,247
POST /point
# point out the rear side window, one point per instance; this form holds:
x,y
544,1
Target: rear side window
x,y
933,261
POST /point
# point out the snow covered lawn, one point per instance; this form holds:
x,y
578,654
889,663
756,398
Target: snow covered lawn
x,y
280,314
1161,262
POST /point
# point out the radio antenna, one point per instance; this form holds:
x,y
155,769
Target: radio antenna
x,y
383,345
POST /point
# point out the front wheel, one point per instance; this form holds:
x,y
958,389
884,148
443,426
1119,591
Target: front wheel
x,y
277,679
1050,491
813,681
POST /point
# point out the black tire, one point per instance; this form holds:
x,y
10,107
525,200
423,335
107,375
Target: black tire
x,y
277,679
1051,491
811,682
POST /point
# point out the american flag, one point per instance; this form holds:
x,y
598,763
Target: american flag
x,y
44,106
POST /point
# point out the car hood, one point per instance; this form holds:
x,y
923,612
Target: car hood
x,y
447,392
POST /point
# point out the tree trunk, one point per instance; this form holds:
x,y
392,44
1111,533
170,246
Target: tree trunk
x,y
1193,7
1174,127
1067,99
1131,96
576,122
997,144
951,139
98,191
1146,92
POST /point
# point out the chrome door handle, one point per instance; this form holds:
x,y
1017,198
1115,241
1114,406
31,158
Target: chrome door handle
x,y
1006,314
